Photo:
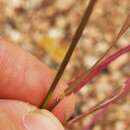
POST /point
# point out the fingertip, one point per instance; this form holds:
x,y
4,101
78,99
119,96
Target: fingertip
x,y
64,110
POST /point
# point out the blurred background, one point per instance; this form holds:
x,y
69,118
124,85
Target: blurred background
x,y
45,29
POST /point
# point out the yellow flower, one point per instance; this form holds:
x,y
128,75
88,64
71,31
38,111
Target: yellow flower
x,y
53,48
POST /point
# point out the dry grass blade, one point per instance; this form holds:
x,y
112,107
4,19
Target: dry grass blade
x,y
69,53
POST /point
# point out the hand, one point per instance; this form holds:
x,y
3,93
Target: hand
x,y
24,78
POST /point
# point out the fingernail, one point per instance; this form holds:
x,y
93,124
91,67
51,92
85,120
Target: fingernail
x,y
41,120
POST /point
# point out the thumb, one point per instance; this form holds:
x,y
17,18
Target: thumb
x,y
42,120
17,115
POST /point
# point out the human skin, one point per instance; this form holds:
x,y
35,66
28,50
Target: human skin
x,y
24,83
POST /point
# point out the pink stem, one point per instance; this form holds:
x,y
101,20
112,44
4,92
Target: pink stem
x,y
122,93
87,78
105,106
95,119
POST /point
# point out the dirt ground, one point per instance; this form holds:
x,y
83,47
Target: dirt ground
x,y
45,29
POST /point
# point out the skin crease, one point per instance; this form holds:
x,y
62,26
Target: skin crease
x,y
24,78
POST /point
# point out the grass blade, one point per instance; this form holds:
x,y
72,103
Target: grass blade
x,y
69,53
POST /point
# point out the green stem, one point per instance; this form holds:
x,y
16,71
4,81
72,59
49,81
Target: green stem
x,y
69,53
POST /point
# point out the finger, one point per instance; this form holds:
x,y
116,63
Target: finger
x,y
65,108
22,116
23,77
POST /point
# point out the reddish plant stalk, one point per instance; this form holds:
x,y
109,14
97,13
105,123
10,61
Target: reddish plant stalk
x,y
114,41
95,119
122,93
94,71
88,77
